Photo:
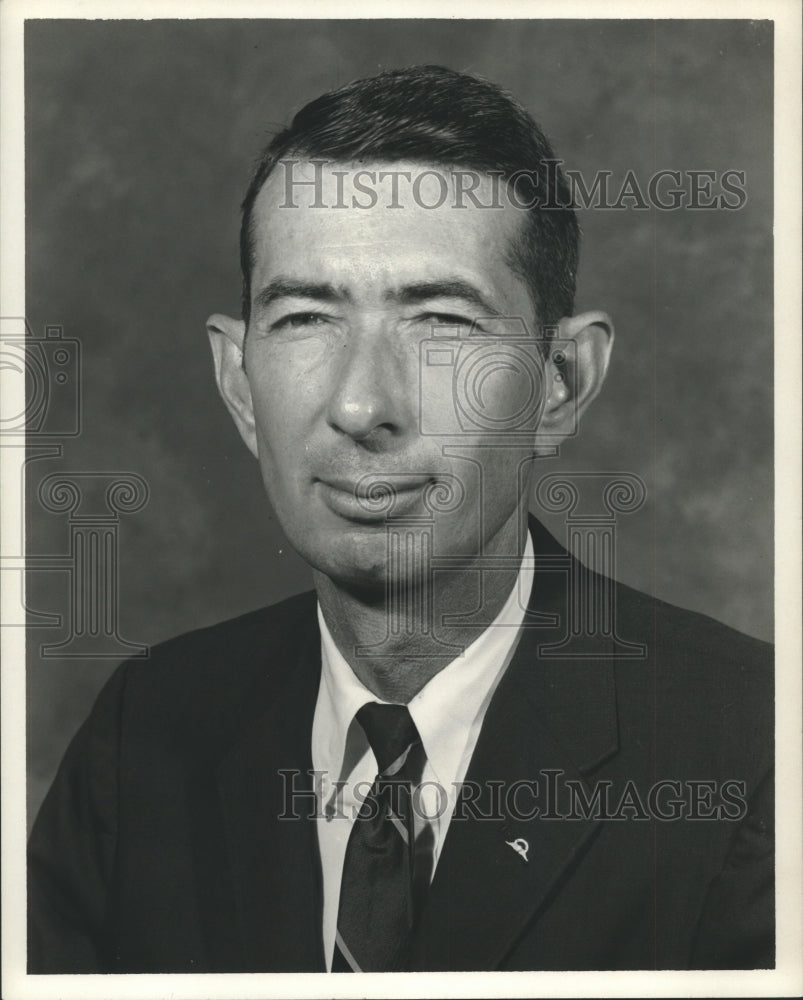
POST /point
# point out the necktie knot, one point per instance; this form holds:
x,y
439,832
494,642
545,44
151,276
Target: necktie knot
x,y
390,731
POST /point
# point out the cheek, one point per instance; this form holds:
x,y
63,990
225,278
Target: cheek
x,y
280,443
505,389
287,400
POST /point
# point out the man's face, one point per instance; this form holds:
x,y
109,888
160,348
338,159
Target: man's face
x,y
345,390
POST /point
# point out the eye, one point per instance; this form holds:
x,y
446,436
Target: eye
x,y
446,319
301,320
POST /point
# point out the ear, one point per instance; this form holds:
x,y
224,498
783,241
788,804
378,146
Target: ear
x,y
227,340
575,371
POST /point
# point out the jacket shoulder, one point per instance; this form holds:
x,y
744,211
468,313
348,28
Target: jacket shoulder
x,y
685,634
708,684
243,636
195,677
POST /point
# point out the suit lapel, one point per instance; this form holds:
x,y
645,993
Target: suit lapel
x,y
546,716
269,830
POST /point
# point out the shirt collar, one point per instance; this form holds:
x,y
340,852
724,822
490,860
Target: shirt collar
x,y
340,697
446,710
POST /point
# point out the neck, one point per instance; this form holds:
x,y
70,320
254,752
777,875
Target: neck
x,y
395,655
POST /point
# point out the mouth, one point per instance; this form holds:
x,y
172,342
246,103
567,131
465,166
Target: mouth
x,y
375,497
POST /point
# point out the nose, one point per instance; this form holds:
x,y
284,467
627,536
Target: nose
x,y
370,395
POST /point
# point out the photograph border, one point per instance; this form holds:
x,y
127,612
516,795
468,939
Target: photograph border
x,y
787,977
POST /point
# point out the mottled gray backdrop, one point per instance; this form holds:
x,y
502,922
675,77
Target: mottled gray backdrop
x,y
140,140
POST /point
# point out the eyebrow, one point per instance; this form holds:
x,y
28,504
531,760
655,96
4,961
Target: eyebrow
x,y
283,288
448,288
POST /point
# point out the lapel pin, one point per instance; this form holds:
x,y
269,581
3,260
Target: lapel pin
x,y
520,846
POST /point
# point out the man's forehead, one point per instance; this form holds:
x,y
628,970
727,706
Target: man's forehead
x,y
385,210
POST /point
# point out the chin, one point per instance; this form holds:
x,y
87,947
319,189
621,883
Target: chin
x,y
354,558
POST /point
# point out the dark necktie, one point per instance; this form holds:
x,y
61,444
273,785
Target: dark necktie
x,y
376,910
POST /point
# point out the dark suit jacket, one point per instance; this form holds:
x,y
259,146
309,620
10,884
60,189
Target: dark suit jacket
x,y
161,847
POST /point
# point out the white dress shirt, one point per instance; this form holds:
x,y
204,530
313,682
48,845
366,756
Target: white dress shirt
x,y
448,712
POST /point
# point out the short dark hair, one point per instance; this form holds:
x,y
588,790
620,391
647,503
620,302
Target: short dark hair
x,y
436,116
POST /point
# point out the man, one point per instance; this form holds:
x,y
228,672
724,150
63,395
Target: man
x,y
427,764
